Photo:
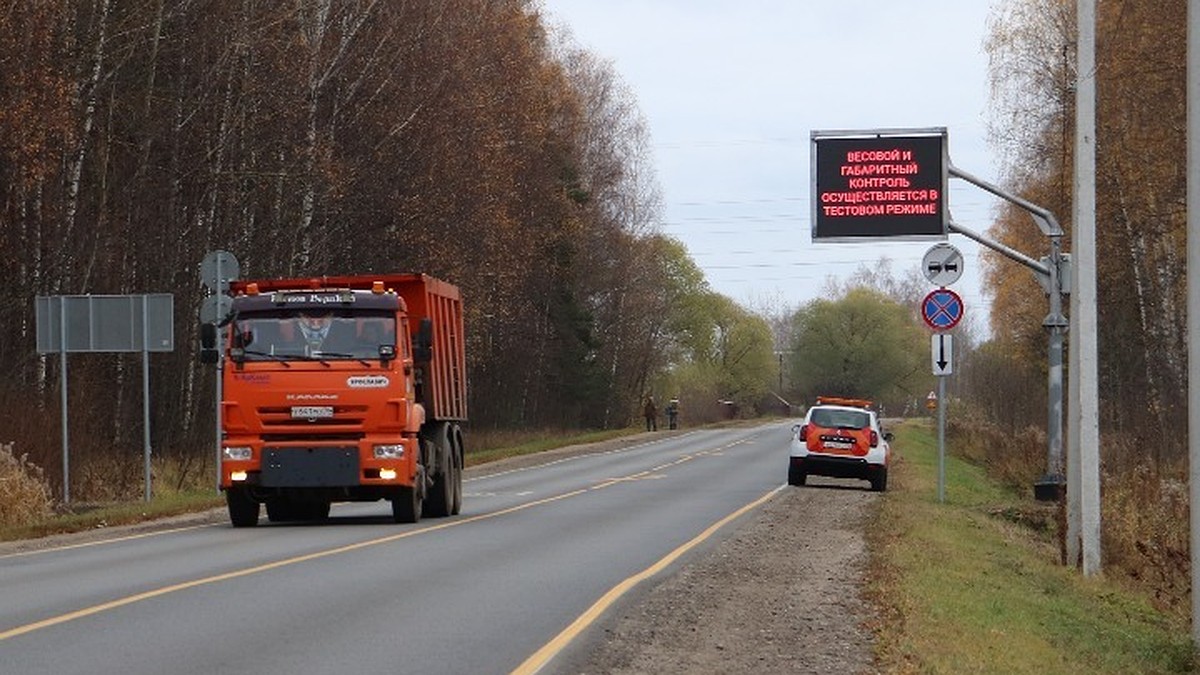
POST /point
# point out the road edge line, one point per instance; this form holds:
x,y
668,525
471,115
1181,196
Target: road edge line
x,y
547,652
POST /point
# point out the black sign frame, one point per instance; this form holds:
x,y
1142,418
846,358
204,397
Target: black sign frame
x,y
880,184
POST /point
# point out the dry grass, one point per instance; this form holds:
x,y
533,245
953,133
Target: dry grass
x,y
1144,504
24,492
963,587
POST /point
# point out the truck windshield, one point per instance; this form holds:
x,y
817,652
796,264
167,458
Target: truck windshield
x,y
326,335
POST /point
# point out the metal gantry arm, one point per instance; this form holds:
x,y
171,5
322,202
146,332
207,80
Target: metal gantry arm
x,y
1051,486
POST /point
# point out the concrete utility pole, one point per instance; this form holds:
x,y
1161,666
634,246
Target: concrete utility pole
x,y
1193,300
1083,430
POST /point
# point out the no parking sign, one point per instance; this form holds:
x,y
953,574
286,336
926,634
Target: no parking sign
x,y
942,309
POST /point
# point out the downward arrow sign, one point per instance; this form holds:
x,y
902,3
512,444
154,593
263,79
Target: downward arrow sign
x,y
941,348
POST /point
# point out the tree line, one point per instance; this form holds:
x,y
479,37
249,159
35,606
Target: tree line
x,y
468,140
1140,191
1140,268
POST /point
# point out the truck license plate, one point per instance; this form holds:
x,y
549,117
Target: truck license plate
x,y
839,445
309,412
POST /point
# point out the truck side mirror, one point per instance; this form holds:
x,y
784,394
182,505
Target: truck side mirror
x,y
208,335
208,344
423,347
387,353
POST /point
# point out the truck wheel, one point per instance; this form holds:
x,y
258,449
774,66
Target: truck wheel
x,y
879,483
459,455
281,510
440,499
315,511
406,505
243,510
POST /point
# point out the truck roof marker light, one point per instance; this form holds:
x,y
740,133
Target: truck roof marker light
x,y
377,287
252,288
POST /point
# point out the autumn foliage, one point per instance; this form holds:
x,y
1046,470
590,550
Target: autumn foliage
x,y
464,139
1141,253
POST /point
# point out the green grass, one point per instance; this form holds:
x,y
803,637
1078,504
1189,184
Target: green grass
x,y
964,588
80,517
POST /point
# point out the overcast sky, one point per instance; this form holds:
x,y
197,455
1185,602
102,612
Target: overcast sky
x,y
732,91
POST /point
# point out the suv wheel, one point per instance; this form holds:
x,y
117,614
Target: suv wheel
x,y
796,476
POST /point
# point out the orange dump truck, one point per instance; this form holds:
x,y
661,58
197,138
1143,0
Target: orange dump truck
x,y
348,388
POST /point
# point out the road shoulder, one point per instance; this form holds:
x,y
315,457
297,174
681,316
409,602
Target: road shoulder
x,y
782,593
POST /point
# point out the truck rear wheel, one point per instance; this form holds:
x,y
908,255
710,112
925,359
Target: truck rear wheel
x,y
243,510
441,494
406,505
280,510
318,510
456,449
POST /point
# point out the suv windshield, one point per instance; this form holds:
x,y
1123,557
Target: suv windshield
x,y
290,334
843,419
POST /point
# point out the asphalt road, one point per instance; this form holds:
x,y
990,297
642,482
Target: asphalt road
x,y
537,556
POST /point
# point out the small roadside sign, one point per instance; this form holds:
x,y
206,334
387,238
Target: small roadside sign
x,y
943,264
941,353
942,309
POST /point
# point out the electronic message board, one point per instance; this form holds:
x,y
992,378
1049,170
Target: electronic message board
x,y
884,183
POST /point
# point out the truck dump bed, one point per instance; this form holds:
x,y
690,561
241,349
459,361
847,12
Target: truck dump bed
x,y
425,297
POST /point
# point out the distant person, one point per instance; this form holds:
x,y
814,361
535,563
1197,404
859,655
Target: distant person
x,y
650,412
673,414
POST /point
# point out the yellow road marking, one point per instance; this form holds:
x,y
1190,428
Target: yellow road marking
x,y
542,656
129,600
166,590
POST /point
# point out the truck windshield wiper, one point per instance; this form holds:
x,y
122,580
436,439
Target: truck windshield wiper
x,y
282,358
340,355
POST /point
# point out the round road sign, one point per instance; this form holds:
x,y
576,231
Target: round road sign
x,y
942,265
217,269
942,309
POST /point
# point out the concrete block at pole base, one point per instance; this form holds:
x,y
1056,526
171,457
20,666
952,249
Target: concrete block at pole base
x,y
1050,488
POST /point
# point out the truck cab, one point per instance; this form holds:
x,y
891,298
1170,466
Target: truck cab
x,y
342,389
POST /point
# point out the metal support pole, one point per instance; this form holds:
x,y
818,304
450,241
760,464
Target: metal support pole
x,y
1051,486
62,354
941,423
220,381
1193,301
1083,466
146,396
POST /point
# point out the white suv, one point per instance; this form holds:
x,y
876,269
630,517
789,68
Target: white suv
x,y
841,438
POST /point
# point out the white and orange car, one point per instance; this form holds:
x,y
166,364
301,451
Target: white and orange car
x,y
840,438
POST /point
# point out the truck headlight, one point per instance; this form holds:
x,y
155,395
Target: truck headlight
x,y
238,452
389,451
